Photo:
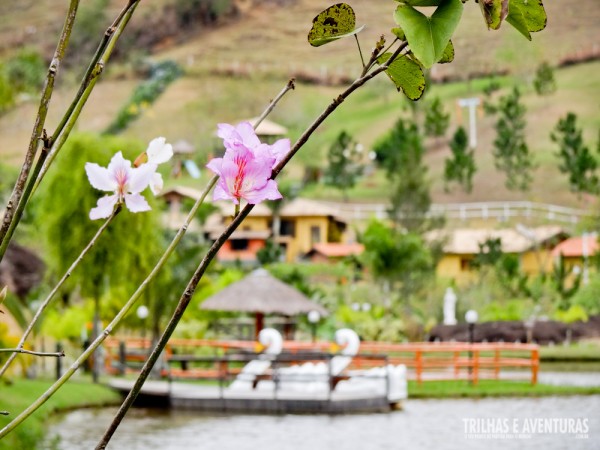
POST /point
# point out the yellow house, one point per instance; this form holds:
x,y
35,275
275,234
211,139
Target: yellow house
x,y
300,224
460,246
576,252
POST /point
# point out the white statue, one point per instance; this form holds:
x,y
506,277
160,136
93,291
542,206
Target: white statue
x,y
450,307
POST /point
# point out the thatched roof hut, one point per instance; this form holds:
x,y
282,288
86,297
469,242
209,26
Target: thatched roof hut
x,y
260,293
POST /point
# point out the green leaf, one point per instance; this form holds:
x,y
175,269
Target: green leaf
x,y
336,22
448,55
406,74
399,33
421,2
527,16
494,12
429,36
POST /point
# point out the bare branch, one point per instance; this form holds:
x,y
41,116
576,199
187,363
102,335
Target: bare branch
x,y
30,352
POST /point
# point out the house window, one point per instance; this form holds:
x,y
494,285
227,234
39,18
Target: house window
x,y
465,264
287,228
315,234
239,244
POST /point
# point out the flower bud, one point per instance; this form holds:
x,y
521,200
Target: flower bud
x,y
142,159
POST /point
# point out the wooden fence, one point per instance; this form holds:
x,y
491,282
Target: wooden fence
x,y
200,358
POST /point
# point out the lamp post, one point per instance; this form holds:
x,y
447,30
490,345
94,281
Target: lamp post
x,y
471,317
313,318
142,313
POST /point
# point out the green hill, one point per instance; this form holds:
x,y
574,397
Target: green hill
x,y
267,43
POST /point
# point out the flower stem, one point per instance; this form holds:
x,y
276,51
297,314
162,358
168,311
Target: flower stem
x,y
187,294
40,119
67,274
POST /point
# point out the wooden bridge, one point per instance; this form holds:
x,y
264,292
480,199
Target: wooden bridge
x,y
223,360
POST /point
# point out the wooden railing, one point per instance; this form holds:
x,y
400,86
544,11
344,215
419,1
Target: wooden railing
x,y
425,361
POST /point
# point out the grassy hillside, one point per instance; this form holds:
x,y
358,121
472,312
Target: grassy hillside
x,y
275,38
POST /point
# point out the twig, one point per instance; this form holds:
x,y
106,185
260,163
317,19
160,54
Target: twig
x,y
193,283
291,85
39,120
362,59
30,352
50,296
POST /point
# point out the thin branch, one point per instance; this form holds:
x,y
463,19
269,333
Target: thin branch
x,y
40,119
50,296
362,59
197,276
24,199
291,85
30,352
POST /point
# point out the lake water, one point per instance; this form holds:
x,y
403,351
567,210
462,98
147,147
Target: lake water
x,y
423,424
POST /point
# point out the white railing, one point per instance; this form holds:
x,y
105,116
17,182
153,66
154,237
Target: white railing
x,y
500,211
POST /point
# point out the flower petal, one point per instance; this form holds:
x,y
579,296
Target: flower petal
x,y
159,151
136,203
141,178
100,177
279,149
118,163
226,131
214,165
104,207
268,192
221,193
248,135
157,183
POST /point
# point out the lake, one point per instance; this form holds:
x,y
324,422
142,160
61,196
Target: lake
x,y
465,424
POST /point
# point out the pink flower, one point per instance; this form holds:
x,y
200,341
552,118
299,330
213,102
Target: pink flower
x,y
244,135
244,174
126,183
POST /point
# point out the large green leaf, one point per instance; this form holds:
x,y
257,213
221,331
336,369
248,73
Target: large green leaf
x,y
429,36
494,12
406,74
527,16
336,22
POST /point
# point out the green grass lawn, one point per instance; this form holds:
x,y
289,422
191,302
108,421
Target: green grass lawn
x,y
17,396
492,388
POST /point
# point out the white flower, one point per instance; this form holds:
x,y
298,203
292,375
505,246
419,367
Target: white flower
x,y
158,152
126,183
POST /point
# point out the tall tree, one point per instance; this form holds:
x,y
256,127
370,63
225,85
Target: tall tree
x,y
344,163
511,152
544,82
461,167
436,119
397,259
576,160
401,154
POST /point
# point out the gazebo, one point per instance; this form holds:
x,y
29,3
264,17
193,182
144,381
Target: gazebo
x,y
260,293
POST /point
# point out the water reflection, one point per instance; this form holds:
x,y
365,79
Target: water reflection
x,y
424,424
